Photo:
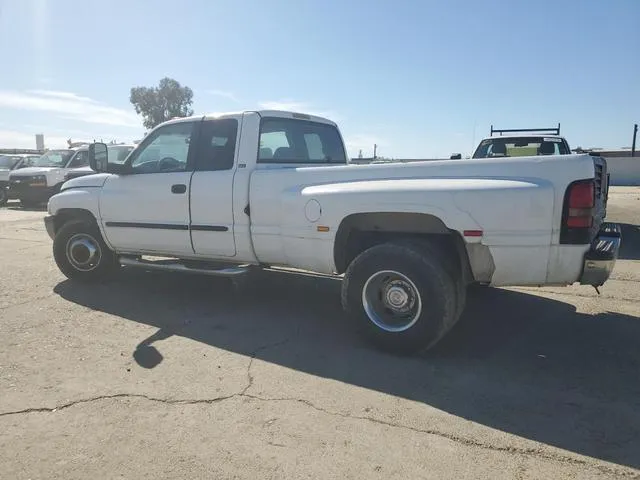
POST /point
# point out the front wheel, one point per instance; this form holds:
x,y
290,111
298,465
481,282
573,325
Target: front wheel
x,y
402,296
4,195
81,254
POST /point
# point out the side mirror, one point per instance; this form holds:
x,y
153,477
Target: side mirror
x,y
98,157
456,156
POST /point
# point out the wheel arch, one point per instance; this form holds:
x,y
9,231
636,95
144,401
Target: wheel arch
x,y
360,231
65,215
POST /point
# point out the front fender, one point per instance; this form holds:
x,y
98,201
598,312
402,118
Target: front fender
x,y
81,200
76,198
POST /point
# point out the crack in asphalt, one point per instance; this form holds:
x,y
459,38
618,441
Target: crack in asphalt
x,y
529,452
468,442
42,242
25,302
253,357
167,401
461,440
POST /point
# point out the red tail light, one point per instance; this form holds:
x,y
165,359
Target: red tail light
x,y
581,201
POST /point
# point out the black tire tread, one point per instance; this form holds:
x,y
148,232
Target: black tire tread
x,y
108,265
412,255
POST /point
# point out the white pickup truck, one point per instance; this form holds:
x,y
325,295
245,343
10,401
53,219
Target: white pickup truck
x,y
219,195
36,184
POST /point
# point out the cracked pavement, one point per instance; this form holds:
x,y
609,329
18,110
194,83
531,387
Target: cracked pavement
x,y
171,376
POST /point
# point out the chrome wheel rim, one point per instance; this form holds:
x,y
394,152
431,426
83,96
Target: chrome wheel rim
x,y
391,301
83,252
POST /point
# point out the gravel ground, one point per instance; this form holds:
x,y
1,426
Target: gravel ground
x,y
171,376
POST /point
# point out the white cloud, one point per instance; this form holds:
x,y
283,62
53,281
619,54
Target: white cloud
x,y
224,94
298,107
13,139
63,95
69,106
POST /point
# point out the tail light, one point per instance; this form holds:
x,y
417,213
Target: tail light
x,y
579,208
581,201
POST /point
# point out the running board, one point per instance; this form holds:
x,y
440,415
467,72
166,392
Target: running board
x,y
179,267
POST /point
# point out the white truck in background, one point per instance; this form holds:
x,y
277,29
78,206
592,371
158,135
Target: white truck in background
x,y
220,195
11,162
117,154
36,184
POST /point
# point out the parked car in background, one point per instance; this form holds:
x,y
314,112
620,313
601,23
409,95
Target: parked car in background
x,y
36,184
9,163
528,142
117,154
522,142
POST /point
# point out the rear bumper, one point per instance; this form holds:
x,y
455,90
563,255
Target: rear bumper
x,y
602,255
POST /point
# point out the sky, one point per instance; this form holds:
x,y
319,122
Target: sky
x,y
421,79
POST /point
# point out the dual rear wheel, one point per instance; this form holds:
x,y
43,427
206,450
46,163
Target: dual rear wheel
x,y
404,296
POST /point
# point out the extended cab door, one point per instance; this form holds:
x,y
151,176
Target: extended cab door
x,y
147,210
212,229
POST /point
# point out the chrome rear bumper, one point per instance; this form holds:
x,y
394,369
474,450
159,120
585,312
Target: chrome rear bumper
x,y
601,257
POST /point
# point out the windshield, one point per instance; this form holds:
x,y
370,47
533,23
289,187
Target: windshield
x,y
8,162
118,153
54,158
521,147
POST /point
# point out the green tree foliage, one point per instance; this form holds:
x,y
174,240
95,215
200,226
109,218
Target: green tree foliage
x,y
164,102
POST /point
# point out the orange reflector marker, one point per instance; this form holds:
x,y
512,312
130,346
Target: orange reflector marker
x,y
322,228
472,233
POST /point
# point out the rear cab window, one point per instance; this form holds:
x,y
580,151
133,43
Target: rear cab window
x,y
284,140
521,147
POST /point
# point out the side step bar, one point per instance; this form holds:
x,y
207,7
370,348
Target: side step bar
x,y
179,267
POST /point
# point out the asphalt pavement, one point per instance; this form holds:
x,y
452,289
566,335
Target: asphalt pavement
x,y
164,375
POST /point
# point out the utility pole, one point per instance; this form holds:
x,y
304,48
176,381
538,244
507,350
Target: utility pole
x,y
633,144
375,151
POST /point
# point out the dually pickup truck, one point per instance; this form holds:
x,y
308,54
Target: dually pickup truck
x,y
220,195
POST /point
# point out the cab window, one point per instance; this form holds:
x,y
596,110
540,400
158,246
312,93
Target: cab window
x,y
80,159
284,140
217,144
164,150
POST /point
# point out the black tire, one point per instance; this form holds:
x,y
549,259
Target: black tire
x,y
452,266
72,250
421,279
4,195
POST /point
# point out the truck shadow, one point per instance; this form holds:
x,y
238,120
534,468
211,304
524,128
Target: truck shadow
x,y
630,246
522,364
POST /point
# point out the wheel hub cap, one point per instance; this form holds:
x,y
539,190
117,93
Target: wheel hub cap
x,y
391,301
397,297
83,252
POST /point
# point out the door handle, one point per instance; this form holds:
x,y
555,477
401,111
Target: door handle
x,y
178,188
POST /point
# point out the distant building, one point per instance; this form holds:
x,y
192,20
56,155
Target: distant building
x,y
39,141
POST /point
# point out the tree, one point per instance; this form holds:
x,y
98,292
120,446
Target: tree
x,y
164,102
